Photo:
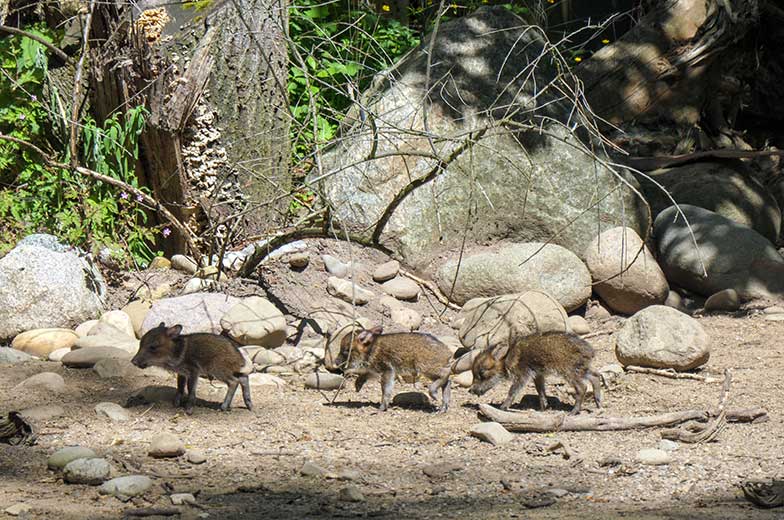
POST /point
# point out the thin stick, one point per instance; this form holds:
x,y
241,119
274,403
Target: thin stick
x,y
18,32
670,373
430,286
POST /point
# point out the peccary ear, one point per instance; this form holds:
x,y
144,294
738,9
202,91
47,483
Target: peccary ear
x,y
173,332
500,352
365,337
376,330
162,325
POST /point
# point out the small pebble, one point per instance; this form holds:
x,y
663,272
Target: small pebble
x,y
196,457
653,457
166,445
351,494
310,469
179,499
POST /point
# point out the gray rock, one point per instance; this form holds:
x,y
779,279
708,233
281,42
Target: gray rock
x,y
348,291
401,288
734,256
111,367
87,357
407,318
323,381
464,362
255,321
257,379
662,337
334,266
184,263
595,311
267,358
114,412
299,260
126,487
578,325
516,268
351,494
386,271
653,457
489,322
60,458
309,469
18,509
195,456
726,300
11,356
773,309
47,284
179,499
198,285
118,341
668,445
166,445
43,412
48,381
491,432
411,399
86,471
626,278
199,312
120,320
58,354
721,187
531,188
464,379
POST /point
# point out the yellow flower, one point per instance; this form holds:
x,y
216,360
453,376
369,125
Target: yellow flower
x,y
385,8
605,41
550,1
578,59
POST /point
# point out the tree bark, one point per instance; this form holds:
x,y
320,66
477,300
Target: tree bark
x,y
215,147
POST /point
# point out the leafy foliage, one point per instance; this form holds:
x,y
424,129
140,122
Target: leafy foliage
x,y
335,51
37,197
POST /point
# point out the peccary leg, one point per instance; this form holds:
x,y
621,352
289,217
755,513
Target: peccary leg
x,y
593,377
446,393
226,405
539,382
387,388
181,380
514,391
360,382
246,392
579,395
193,380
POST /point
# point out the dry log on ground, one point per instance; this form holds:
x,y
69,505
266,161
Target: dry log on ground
x,y
548,422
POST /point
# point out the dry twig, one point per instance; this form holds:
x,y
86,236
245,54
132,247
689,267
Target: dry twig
x,y
670,373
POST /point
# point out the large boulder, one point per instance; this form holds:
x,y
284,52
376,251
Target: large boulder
x,y
488,322
45,284
198,312
255,321
725,188
734,256
630,279
516,268
662,337
527,185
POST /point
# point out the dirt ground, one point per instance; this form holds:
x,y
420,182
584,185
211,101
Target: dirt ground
x,y
254,458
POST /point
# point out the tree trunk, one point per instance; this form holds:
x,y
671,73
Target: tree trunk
x,y
215,149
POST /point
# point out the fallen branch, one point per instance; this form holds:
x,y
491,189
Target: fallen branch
x,y
548,422
695,433
430,286
18,32
669,372
152,511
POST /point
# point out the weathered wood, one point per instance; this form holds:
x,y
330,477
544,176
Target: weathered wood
x,y
549,422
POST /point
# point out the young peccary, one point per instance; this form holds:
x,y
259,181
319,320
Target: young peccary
x,y
191,356
409,355
565,354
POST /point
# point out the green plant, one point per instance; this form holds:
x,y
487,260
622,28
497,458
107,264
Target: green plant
x,y
35,196
335,51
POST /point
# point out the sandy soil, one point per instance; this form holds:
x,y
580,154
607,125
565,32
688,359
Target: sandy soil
x,y
254,458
